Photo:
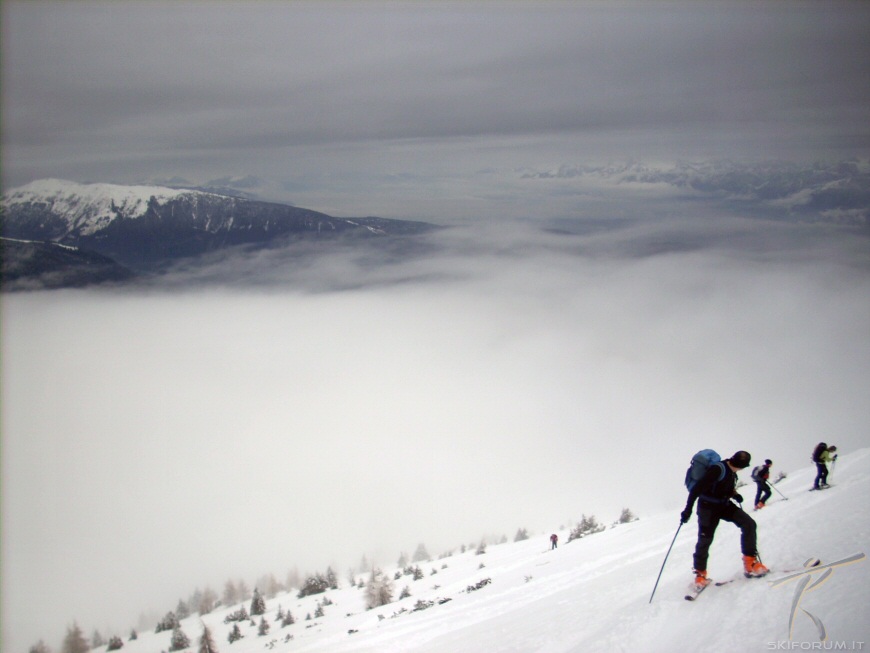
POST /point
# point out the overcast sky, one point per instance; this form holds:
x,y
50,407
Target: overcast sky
x,y
278,409
422,109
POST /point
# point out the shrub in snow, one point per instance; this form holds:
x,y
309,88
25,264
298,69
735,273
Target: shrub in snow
x,y
626,516
478,585
114,643
406,592
316,584
239,615
587,526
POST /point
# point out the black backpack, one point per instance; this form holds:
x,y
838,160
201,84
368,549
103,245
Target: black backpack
x,y
821,447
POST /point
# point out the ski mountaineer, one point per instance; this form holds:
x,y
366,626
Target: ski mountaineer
x,y
554,541
714,493
822,455
761,475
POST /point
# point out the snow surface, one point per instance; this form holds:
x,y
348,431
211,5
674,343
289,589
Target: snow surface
x,y
90,207
593,594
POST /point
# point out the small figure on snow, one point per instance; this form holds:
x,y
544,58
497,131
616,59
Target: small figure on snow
x,y
554,541
714,493
822,455
761,475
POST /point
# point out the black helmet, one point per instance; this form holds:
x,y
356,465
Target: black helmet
x,y
768,462
741,459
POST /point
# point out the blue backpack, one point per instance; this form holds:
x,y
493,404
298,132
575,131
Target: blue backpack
x,y
701,462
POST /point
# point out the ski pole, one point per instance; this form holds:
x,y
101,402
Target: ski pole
x,y
778,492
664,561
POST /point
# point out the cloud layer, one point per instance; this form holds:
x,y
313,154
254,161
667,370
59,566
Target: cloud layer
x,y
156,441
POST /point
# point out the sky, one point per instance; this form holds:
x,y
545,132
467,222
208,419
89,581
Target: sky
x,y
422,110
299,408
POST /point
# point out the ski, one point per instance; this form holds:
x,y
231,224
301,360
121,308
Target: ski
x,y
694,591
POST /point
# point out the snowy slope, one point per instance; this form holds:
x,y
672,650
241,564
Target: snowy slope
x,y
593,594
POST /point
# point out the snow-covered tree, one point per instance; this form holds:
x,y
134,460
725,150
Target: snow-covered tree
x,y
379,590
231,594
74,641
206,641
331,579
258,604
115,643
235,634
421,554
169,622
179,640
263,628
182,610
207,601
522,534
288,619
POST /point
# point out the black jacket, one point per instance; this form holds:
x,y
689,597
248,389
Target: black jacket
x,y
713,489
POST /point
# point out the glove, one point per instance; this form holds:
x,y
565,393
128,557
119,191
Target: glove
x,y
738,498
685,516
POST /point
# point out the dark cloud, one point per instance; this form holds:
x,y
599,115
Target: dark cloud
x,y
153,89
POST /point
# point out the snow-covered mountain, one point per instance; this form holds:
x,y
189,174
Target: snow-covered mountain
x,y
593,594
146,226
837,192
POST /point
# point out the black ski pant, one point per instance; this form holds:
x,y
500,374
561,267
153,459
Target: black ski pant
x,y
709,516
821,475
763,493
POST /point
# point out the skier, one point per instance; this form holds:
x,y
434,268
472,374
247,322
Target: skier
x,y
554,541
714,493
761,475
822,455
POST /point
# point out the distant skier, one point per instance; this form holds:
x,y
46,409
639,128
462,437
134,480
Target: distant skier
x,y
761,475
554,541
822,455
714,493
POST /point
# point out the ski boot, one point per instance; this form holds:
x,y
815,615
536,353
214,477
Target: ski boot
x,y
752,567
701,580
759,505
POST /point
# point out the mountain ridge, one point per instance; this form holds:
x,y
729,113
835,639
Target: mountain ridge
x,y
146,228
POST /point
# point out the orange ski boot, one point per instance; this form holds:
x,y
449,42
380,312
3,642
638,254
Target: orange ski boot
x,y
752,567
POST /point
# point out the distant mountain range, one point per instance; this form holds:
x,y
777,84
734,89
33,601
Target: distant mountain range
x,y
145,228
830,192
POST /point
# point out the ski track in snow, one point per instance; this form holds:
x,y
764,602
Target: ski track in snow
x,y
593,594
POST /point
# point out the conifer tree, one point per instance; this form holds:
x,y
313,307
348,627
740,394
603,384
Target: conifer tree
x,y
40,647
74,641
421,554
264,627
258,604
235,634
206,641
179,640
379,590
